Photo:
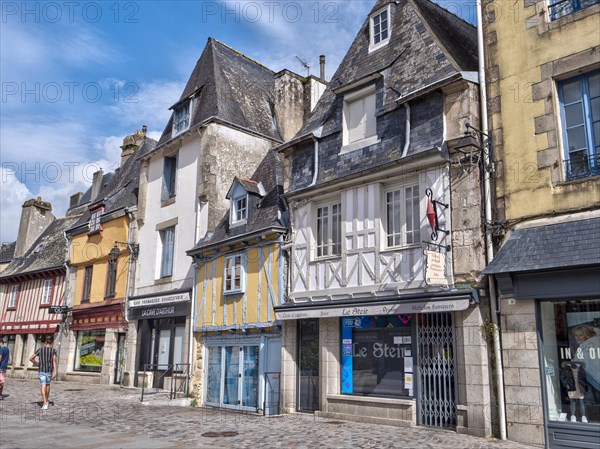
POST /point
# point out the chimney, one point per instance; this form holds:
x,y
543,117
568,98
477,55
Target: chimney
x,y
322,63
36,216
132,143
96,184
74,200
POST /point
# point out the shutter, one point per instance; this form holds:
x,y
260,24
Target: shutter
x,y
370,128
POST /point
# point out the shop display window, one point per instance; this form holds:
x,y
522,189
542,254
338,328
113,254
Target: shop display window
x,y
90,350
378,356
571,357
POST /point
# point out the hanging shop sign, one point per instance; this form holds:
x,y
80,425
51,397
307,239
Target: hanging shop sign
x,y
435,268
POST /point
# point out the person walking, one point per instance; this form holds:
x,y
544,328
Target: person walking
x,y
4,356
46,368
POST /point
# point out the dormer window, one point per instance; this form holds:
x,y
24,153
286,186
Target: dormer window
x,y
95,225
380,29
360,121
239,209
181,118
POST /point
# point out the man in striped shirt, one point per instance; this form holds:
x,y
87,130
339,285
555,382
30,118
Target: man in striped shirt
x,y
46,368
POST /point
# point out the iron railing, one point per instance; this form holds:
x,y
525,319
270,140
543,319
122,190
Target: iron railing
x,y
178,375
565,7
583,167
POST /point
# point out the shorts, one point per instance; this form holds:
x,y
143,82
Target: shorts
x,y
1,377
45,378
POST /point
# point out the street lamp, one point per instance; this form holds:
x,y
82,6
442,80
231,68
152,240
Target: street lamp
x,y
115,252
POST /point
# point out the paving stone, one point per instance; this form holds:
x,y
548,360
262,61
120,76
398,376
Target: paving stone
x,y
109,416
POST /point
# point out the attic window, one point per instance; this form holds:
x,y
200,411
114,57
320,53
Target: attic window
x,y
95,225
379,25
181,118
38,248
239,209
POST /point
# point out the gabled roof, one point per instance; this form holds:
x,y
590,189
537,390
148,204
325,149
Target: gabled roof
x,y
264,212
552,246
119,189
249,185
231,87
46,253
427,44
7,250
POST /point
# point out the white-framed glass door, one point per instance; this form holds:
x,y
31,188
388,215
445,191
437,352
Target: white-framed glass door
x,y
232,377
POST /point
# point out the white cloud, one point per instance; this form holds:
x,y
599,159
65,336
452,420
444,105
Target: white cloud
x,y
13,193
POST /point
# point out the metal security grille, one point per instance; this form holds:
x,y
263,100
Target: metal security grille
x,y
437,370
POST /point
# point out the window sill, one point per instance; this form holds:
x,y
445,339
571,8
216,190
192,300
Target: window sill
x,y
44,306
168,201
359,144
378,46
326,258
10,309
96,232
232,293
406,400
401,247
567,182
163,280
179,133
237,223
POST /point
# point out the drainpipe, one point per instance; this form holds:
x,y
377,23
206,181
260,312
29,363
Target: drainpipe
x,y
65,294
407,139
488,219
192,324
127,295
316,135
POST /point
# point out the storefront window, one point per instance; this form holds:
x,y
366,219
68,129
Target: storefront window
x,y
90,350
10,344
571,343
377,356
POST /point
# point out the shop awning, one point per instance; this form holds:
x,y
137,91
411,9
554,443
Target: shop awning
x,y
432,303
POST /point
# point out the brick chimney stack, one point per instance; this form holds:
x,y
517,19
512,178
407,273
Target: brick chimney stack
x,y
36,216
132,143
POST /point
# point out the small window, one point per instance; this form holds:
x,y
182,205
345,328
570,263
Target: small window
x,y
561,8
380,29
13,295
169,178
47,291
87,283
360,122
403,216
167,238
329,230
181,118
239,209
234,274
111,278
580,111
95,225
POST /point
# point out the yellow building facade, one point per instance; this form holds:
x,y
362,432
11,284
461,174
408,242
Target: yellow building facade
x,y
543,73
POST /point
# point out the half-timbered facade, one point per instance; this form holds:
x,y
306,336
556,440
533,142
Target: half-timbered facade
x,y
382,320
240,281
31,284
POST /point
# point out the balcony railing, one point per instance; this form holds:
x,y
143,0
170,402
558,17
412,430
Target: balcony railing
x,y
583,167
565,7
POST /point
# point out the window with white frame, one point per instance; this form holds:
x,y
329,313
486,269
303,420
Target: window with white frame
x,y
95,225
403,215
360,122
561,8
169,186
167,239
234,274
380,29
13,295
580,111
329,230
47,291
181,118
239,209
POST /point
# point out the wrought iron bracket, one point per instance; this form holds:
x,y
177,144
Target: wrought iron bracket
x,y
436,203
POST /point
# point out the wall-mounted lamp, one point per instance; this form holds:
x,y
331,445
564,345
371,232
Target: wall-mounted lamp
x,y
115,252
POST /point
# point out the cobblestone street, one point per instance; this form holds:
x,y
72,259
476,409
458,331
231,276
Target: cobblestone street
x,y
94,416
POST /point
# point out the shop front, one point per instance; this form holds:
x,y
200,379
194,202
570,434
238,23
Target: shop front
x,y
97,339
162,330
398,362
550,306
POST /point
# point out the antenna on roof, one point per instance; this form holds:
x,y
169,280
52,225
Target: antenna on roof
x,y
305,63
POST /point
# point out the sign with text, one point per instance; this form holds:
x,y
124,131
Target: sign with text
x,y
159,311
58,309
435,269
158,300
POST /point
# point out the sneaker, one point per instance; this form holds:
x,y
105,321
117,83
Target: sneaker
x,y
584,419
45,406
573,418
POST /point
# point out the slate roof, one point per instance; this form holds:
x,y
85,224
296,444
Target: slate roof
x,y
47,252
427,44
264,212
7,250
119,189
228,85
561,245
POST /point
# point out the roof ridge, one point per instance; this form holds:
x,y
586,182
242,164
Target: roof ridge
x,y
445,11
242,54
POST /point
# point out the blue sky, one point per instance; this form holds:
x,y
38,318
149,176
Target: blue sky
x,y
76,77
